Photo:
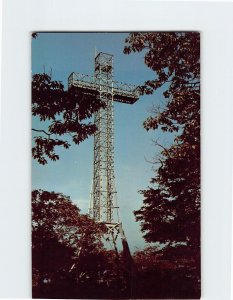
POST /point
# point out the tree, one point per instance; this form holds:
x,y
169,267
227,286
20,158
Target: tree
x,y
171,207
69,259
162,273
67,246
66,112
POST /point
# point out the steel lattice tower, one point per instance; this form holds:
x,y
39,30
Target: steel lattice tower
x,y
103,204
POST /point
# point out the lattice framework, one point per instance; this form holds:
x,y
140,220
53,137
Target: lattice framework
x,y
103,205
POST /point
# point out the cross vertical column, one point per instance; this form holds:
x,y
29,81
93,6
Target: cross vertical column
x,y
103,205
104,194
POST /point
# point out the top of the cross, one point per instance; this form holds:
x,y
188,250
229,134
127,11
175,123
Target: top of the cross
x,y
103,78
104,54
104,62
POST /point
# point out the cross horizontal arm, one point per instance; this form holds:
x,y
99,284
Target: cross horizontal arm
x,y
122,92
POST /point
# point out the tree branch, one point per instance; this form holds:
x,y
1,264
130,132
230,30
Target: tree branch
x,y
41,130
165,149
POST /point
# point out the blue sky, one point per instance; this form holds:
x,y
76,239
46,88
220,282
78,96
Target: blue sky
x,y
72,174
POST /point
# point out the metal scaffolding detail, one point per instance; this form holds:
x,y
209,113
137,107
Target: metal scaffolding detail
x,y
103,205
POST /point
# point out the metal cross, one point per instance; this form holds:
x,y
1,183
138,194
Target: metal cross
x,y
103,205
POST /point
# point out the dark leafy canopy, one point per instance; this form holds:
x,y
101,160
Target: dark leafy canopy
x,y
68,256
166,273
65,243
170,212
67,112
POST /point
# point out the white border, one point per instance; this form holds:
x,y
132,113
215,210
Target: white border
x,y
0,58
215,22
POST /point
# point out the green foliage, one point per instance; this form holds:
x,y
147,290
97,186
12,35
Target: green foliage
x,y
67,112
